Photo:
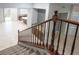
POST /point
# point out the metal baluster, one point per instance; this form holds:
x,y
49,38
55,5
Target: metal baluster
x,y
44,34
59,36
18,36
54,18
33,34
48,34
41,34
32,37
65,39
37,34
53,37
73,46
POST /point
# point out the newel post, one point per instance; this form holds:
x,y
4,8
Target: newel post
x,y
18,37
54,18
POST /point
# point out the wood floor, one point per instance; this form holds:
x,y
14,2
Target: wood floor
x,y
18,50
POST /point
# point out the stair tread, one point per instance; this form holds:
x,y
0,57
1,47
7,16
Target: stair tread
x,y
11,50
17,50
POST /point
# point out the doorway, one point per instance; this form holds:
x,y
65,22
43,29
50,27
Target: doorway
x,y
41,15
10,14
38,15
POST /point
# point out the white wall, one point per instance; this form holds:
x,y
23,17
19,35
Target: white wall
x,y
40,5
34,16
29,18
16,5
7,12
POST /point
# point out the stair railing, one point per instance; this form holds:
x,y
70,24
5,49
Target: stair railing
x,y
43,35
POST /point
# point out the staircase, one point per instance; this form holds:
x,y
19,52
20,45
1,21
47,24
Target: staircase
x,y
44,38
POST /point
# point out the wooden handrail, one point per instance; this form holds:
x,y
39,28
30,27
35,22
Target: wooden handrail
x,y
69,21
64,20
